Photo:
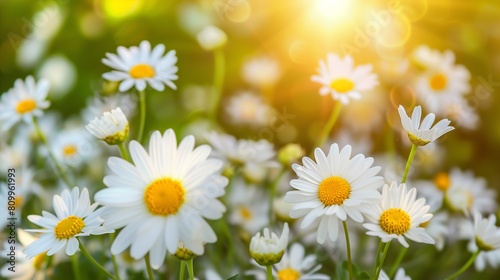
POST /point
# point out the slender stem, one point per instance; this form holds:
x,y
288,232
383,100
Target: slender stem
x,y
269,270
113,258
408,163
54,159
273,186
377,259
94,262
123,151
384,254
142,101
348,246
400,257
219,72
148,267
74,265
329,125
190,269
466,265
182,269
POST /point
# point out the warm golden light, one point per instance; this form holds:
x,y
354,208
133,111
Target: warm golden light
x,y
329,11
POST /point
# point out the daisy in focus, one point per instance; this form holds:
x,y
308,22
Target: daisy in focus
x,y
422,134
342,80
139,66
23,102
332,188
398,215
112,127
162,197
268,249
486,239
75,217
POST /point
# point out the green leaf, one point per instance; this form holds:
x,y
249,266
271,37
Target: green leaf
x,y
233,277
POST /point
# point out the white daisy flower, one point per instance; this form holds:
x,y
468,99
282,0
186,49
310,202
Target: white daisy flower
x,y
61,74
437,229
75,218
23,102
332,188
268,248
211,38
162,197
248,108
461,113
398,215
442,82
111,127
261,72
73,147
247,209
400,275
486,237
97,106
422,134
137,66
342,79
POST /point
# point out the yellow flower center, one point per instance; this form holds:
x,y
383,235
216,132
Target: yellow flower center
x,y
39,260
142,71
164,197
395,221
438,82
246,213
442,181
249,111
342,85
288,274
334,190
69,227
26,106
69,150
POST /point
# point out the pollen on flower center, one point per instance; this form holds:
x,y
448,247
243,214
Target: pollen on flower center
x,y
442,181
164,197
142,71
438,82
334,190
342,85
288,274
26,106
245,213
69,227
39,259
69,150
395,221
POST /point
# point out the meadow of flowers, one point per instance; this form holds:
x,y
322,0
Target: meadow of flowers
x,y
249,139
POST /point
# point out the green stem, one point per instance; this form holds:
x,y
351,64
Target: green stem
x,y
395,266
269,270
148,267
273,194
54,159
113,258
384,254
123,151
377,259
190,269
329,125
219,72
94,262
142,102
466,265
348,246
74,265
182,269
410,160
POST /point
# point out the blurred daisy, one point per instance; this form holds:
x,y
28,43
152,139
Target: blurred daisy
x,y
442,82
268,248
162,197
61,74
23,102
400,275
486,238
437,229
111,127
422,134
73,147
261,72
211,38
398,215
462,114
365,115
247,209
248,108
75,218
15,154
136,66
340,78
360,144
97,106
332,188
